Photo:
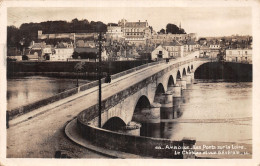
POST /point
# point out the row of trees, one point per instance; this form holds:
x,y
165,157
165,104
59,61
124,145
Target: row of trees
x,y
172,28
29,31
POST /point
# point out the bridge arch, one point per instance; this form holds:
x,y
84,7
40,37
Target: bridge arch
x,y
170,82
142,110
178,76
114,124
184,72
142,102
158,93
188,69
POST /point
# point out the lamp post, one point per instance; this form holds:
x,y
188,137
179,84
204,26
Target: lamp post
x,y
99,82
22,45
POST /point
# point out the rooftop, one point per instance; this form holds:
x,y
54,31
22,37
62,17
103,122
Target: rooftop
x,y
173,43
135,24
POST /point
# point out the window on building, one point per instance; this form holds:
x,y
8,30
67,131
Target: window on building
x,y
230,52
238,52
246,53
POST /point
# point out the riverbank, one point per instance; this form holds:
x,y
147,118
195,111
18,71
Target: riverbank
x,y
236,72
67,68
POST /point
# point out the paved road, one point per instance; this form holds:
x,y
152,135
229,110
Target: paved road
x,y
41,132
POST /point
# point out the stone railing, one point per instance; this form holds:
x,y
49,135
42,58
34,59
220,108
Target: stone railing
x,y
37,104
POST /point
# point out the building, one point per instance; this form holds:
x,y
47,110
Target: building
x,y
39,51
174,48
62,52
83,43
71,36
135,32
214,46
239,55
159,53
192,46
161,38
104,54
114,33
204,51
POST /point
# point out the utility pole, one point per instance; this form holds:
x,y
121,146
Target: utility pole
x,y
99,81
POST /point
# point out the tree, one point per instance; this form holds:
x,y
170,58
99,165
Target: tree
x,y
151,28
13,36
89,55
162,31
79,67
112,24
75,55
174,29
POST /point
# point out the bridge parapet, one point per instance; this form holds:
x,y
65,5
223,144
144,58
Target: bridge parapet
x,y
143,146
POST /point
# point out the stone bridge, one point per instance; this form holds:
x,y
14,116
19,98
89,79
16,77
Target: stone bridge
x,y
142,96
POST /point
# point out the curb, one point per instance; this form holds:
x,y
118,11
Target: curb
x,y
72,133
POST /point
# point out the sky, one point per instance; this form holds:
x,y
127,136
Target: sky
x,y
205,21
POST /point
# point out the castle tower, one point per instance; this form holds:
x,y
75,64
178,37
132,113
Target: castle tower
x,y
39,33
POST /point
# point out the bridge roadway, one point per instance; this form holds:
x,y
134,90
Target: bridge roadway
x,y
40,133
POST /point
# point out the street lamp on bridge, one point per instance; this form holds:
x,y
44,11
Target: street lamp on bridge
x,y
99,78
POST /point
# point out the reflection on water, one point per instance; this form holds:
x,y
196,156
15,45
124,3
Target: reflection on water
x,y
210,111
21,91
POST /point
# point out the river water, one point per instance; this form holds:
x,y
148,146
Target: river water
x,y
210,111
24,90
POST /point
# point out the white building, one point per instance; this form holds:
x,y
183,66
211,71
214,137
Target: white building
x,y
135,32
175,48
114,33
62,54
214,46
239,55
159,53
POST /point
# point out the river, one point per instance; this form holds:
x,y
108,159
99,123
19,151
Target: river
x,y
210,111
24,90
